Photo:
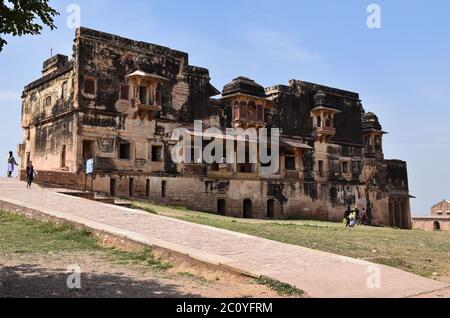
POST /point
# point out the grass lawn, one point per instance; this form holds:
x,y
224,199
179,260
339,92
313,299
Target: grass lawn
x,y
423,253
19,235
22,236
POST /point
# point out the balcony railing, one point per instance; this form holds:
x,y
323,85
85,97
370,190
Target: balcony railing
x,y
136,103
326,130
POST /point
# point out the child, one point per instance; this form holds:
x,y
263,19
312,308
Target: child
x,y
352,219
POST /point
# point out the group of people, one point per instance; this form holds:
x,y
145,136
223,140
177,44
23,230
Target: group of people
x,y
353,217
30,173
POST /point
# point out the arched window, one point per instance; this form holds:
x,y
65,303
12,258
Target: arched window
x,y
260,112
64,90
252,114
243,110
48,101
236,111
327,121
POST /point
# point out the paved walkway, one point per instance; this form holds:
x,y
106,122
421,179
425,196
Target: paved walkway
x,y
319,274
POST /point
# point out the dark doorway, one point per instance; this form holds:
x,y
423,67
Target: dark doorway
x,y
131,188
248,209
391,214
163,189
88,149
147,188
437,226
270,208
222,207
112,187
63,156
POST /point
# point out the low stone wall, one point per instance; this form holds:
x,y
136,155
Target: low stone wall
x,y
67,179
431,223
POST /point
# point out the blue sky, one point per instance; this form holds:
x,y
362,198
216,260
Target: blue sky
x,y
402,71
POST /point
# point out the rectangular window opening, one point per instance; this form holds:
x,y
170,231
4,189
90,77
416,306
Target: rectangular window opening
x,y
89,86
124,151
157,153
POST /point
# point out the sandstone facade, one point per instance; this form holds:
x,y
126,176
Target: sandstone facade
x,y
118,101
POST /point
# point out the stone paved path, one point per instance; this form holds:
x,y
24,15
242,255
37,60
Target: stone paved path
x,y
319,274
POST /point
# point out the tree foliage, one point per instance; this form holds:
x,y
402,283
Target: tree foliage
x,y
21,17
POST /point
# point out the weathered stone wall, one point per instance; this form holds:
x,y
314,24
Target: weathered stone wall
x,y
49,123
108,119
441,209
431,224
108,59
291,199
329,174
295,102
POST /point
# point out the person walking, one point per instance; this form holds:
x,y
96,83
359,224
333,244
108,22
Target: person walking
x,y
11,163
369,213
30,174
347,216
363,217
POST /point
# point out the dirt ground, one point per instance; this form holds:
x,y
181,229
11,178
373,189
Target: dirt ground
x,y
45,275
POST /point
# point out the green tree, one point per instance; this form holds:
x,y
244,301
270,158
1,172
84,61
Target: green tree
x,y
21,17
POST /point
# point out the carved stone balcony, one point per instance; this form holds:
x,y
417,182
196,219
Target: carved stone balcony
x,y
325,130
143,110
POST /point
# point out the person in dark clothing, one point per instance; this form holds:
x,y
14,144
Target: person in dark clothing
x,y
347,216
363,217
30,174
369,213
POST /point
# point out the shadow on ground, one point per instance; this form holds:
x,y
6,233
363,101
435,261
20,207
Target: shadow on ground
x,y
32,281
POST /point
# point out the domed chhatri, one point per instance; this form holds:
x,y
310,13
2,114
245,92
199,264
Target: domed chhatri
x,y
370,122
243,85
248,101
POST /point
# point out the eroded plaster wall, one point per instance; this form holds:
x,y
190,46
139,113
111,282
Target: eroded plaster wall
x,y
103,115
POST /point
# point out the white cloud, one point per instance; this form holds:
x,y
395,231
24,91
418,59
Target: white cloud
x,y
278,45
